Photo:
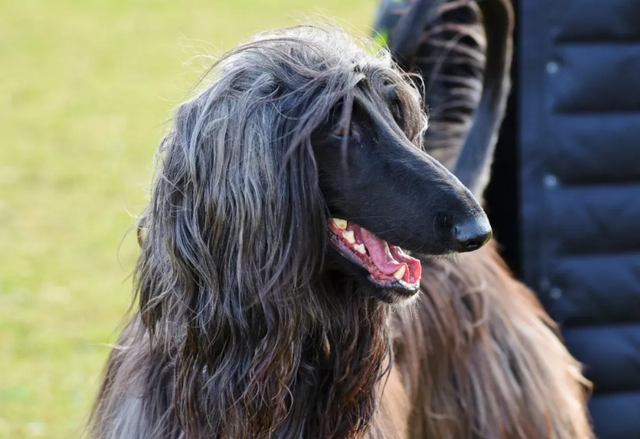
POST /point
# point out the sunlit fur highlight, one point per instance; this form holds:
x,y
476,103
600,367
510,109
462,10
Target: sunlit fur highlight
x,y
241,333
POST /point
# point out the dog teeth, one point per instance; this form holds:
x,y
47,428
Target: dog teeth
x,y
348,236
339,223
399,274
360,248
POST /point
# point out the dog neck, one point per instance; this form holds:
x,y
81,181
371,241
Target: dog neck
x,y
345,357
321,380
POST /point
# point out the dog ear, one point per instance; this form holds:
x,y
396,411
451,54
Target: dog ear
x,y
208,225
229,242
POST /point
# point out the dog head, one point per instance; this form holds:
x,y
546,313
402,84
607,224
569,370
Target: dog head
x,y
385,196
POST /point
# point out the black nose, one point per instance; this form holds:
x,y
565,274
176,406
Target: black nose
x,y
472,234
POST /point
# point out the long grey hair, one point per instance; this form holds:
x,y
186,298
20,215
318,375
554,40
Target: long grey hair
x,y
232,303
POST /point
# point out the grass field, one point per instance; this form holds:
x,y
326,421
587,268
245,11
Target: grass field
x,y
85,89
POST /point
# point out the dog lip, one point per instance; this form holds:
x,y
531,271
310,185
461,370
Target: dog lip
x,y
399,285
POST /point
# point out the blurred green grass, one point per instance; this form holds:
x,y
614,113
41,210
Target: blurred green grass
x,y
85,89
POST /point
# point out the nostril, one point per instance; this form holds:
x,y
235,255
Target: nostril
x,y
471,235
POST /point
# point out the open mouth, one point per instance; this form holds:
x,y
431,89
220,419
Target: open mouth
x,y
387,264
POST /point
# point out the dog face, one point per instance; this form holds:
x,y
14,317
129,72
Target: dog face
x,y
387,198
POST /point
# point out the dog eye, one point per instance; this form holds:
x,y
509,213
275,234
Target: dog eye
x,y
340,131
336,123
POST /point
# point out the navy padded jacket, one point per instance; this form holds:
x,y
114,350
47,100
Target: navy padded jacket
x,y
579,158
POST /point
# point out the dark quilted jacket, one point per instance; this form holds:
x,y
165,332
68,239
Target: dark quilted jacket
x,y
579,145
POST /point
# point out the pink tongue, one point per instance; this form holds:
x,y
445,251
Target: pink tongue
x,y
379,252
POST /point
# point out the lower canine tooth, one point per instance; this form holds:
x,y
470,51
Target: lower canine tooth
x,y
360,248
348,236
339,223
399,274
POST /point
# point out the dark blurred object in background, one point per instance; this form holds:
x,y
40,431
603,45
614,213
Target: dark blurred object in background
x,y
578,166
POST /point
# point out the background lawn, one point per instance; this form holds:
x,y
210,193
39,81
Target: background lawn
x,y
85,89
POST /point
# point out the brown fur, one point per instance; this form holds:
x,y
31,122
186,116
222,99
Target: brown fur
x,y
491,365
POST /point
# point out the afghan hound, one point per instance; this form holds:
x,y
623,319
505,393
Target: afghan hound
x,y
308,271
